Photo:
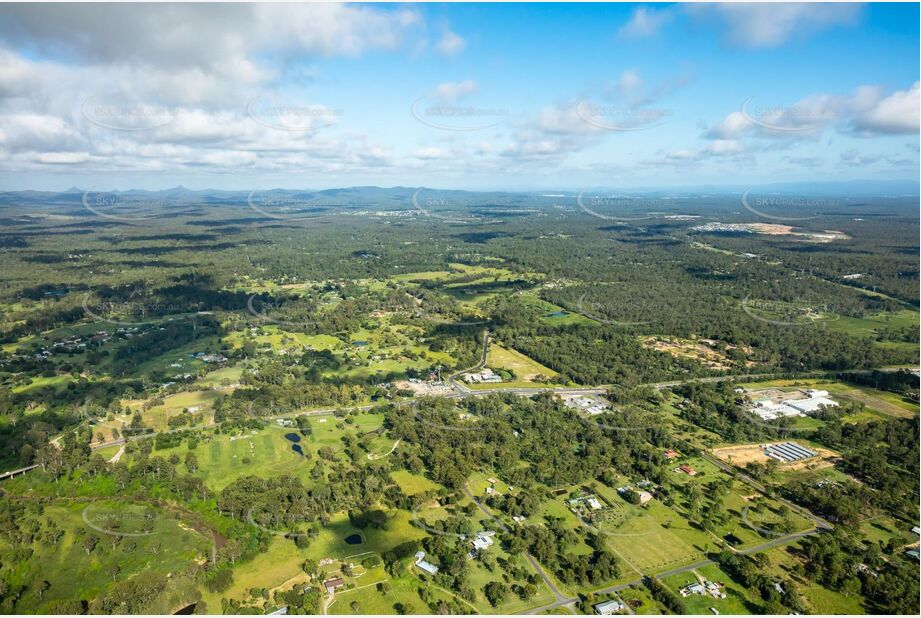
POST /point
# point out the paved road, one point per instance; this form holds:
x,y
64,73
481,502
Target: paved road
x,y
676,571
12,473
460,386
118,455
602,388
560,597
464,391
820,523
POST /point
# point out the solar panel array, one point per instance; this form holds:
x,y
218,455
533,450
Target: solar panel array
x,y
788,451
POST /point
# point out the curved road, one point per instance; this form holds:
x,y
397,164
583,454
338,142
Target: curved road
x,y
561,599
676,571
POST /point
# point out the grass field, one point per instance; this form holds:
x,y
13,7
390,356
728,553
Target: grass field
x,y
641,601
173,405
737,600
412,484
525,368
274,337
220,460
654,537
882,402
553,315
818,599
403,590
42,381
280,563
870,325
161,544
880,529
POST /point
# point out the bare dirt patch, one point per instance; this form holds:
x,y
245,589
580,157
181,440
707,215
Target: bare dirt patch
x,y
743,454
697,351
777,229
425,389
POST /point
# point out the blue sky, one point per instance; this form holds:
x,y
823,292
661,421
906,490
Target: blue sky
x,y
478,96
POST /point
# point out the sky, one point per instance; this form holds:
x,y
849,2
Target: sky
x,y
468,96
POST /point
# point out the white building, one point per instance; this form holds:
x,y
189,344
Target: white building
x,y
807,406
769,410
608,607
483,540
487,376
428,567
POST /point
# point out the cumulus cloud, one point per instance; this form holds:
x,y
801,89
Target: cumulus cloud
x,y
868,111
449,92
137,87
644,22
894,114
450,44
171,34
725,147
761,25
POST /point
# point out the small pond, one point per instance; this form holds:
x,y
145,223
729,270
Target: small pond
x,y
293,437
353,539
297,449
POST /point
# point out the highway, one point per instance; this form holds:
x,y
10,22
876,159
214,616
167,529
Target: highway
x,y
464,391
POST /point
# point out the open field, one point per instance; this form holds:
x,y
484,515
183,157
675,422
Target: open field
x,y
737,601
553,315
884,403
652,537
412,484
870,325
158,416
525,369
742,454
221,458
160,542
818,599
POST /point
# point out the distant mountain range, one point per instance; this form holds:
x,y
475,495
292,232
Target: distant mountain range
x,y
871,198
853,188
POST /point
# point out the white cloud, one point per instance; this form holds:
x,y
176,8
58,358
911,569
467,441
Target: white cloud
x,y
757,25
450,44
171,35
431,153
62,158
733,126
725,147
27,131
450,92
894,114
644,22
866,112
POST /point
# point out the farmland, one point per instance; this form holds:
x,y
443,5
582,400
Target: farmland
x,y
308,415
